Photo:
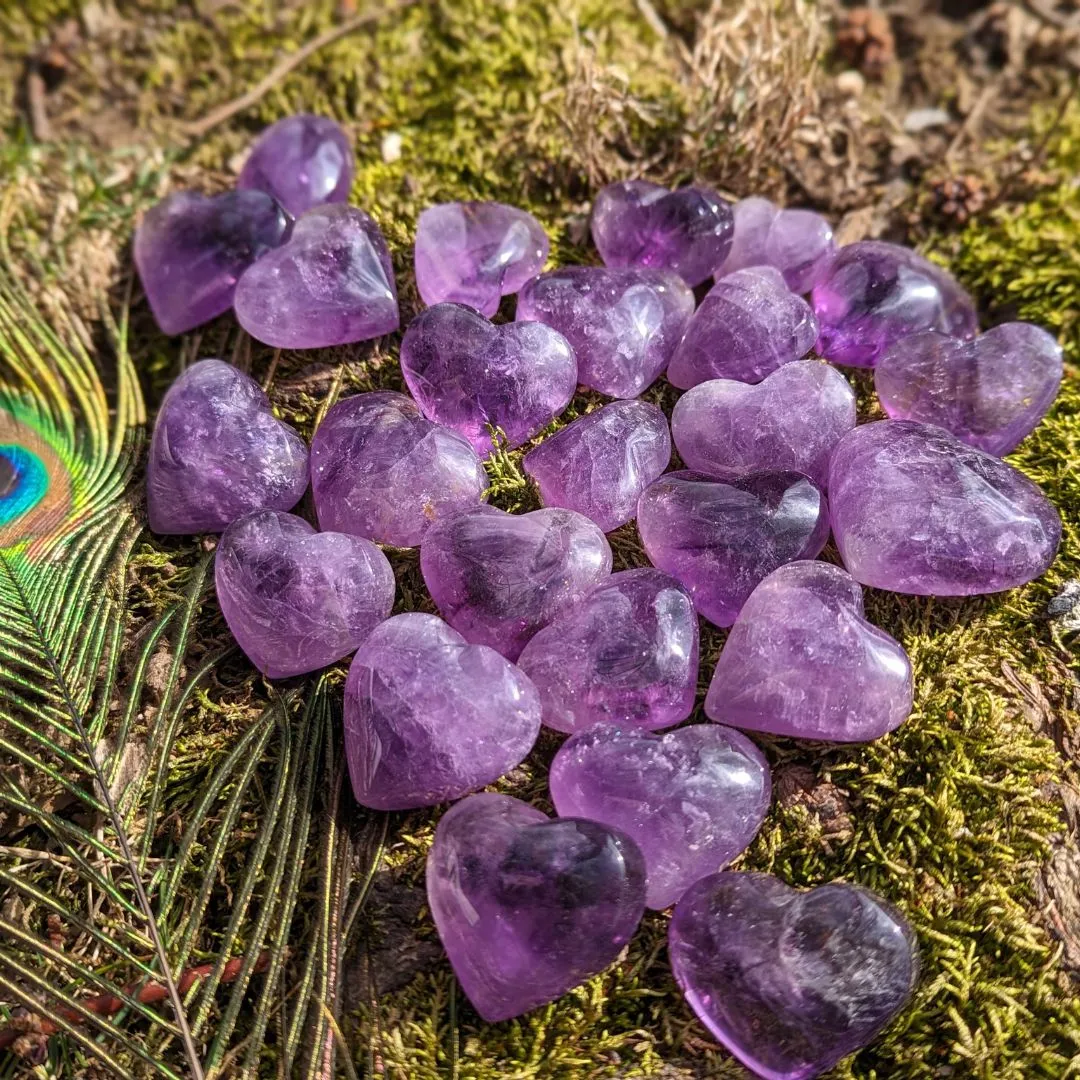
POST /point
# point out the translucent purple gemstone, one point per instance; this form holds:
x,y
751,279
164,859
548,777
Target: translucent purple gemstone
x,y
380,470
471,375
625,654
429,717
303,161
692,799
799,243
749,324
874,294
720,537
790,420
623,324
218,452
915,510
635,223
296,599
600,464
528,907
475,253
190,251
990,392
497,578
791,982
332,283
801,660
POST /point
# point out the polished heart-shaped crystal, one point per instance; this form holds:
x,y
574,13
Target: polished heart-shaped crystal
x,y
625,654
191,249
472,375
379,469
915,510
218,452
635,223
748,325
990,392
873,294
528,907
790,420
600,464
296,599
429,717
791,982
497,578
332,283
799,243
720,537
802,660
623,324
475,253
303,161
692,799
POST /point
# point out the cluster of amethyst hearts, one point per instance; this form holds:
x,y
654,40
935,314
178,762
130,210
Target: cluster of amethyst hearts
x,y
535,627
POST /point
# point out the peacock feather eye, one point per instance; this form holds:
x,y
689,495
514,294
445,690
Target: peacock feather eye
x,y
35,481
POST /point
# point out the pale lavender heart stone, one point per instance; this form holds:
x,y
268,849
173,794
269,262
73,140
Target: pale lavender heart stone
x,y
635,223
469,374
720,537
303,161
990,392
191,249
790,420
332,283
528,907
791,982
692,799
601,463
429,717
497,578
915,510
625,654
296,599
799,243
873,294
623,324
475,253
803,661
218,452
749,324
380,469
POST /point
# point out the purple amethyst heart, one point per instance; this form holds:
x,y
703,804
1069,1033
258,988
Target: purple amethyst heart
x,y
748,325
429,717
790,420
990,392
720,537
190,251
600,464
623,325
475,253
791,982
915,510
625,654
218,452
802,660
471,375
873,294
691,800
688,231
296,599
380,470
528,907
332,283
497,578
303,161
